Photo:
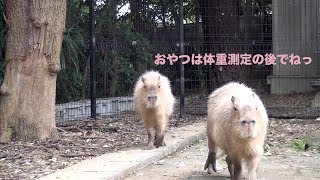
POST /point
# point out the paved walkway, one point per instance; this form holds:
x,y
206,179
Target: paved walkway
x,y
120,164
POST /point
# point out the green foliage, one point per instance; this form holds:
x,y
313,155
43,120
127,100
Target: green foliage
x,y
300,145
117,43
260,5
141,53
266,147
119,49
190,9
71,79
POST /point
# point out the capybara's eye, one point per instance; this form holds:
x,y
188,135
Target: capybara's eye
x,y
243,122
235,109
253,122
159,86
145,86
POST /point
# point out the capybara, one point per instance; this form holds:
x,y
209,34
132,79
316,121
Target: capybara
x,y
154,103
237,124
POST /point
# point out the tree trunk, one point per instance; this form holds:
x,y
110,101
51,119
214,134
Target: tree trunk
x,y
27,96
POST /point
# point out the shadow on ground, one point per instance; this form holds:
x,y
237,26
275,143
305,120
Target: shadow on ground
x,y
208,177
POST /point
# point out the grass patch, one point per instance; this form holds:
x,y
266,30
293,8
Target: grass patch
x,y
300,145
266,147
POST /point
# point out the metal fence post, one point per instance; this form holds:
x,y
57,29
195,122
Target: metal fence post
x,y
181,51
93,70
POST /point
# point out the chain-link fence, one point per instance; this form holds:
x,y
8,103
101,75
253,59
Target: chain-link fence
x,y
272,46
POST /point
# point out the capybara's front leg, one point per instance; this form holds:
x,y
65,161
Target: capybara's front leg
x,y
237,171
211,160
160,130
253,167
159,140
151,137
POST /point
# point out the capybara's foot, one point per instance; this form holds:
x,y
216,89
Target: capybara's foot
x,y
211,163
240,178
159,141
163,144
148,147
211,169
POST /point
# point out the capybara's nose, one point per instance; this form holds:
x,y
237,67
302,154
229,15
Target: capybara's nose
x,y
152,97
253,122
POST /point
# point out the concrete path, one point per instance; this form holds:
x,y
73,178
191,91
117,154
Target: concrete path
x,y
120,164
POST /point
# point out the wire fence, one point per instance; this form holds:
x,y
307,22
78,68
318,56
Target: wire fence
x,y
265,44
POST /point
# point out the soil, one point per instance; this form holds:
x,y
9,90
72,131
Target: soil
x,y
78,141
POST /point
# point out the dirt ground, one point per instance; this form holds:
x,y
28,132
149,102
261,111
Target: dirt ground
x,y
84,140
78,141
280,161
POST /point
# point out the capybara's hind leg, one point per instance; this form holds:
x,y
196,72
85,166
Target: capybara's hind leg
x,y
230,166
212,155
151,138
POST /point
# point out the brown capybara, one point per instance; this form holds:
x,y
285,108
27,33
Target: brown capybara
x,y
154,103
237,124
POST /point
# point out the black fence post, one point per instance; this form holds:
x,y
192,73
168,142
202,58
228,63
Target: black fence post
x,y
93,70
181,52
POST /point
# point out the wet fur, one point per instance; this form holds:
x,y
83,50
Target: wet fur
x,y
156,116
225,132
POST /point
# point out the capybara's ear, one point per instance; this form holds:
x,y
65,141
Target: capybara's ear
x,y
255,100
233,99
159,82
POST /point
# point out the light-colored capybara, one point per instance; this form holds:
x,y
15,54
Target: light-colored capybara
x,y
237,124
154,103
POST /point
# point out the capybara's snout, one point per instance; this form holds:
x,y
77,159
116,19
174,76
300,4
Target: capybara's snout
x,y
152,97
248,127
249,122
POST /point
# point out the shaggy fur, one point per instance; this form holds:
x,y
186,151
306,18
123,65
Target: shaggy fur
x,y
237,124
154,103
